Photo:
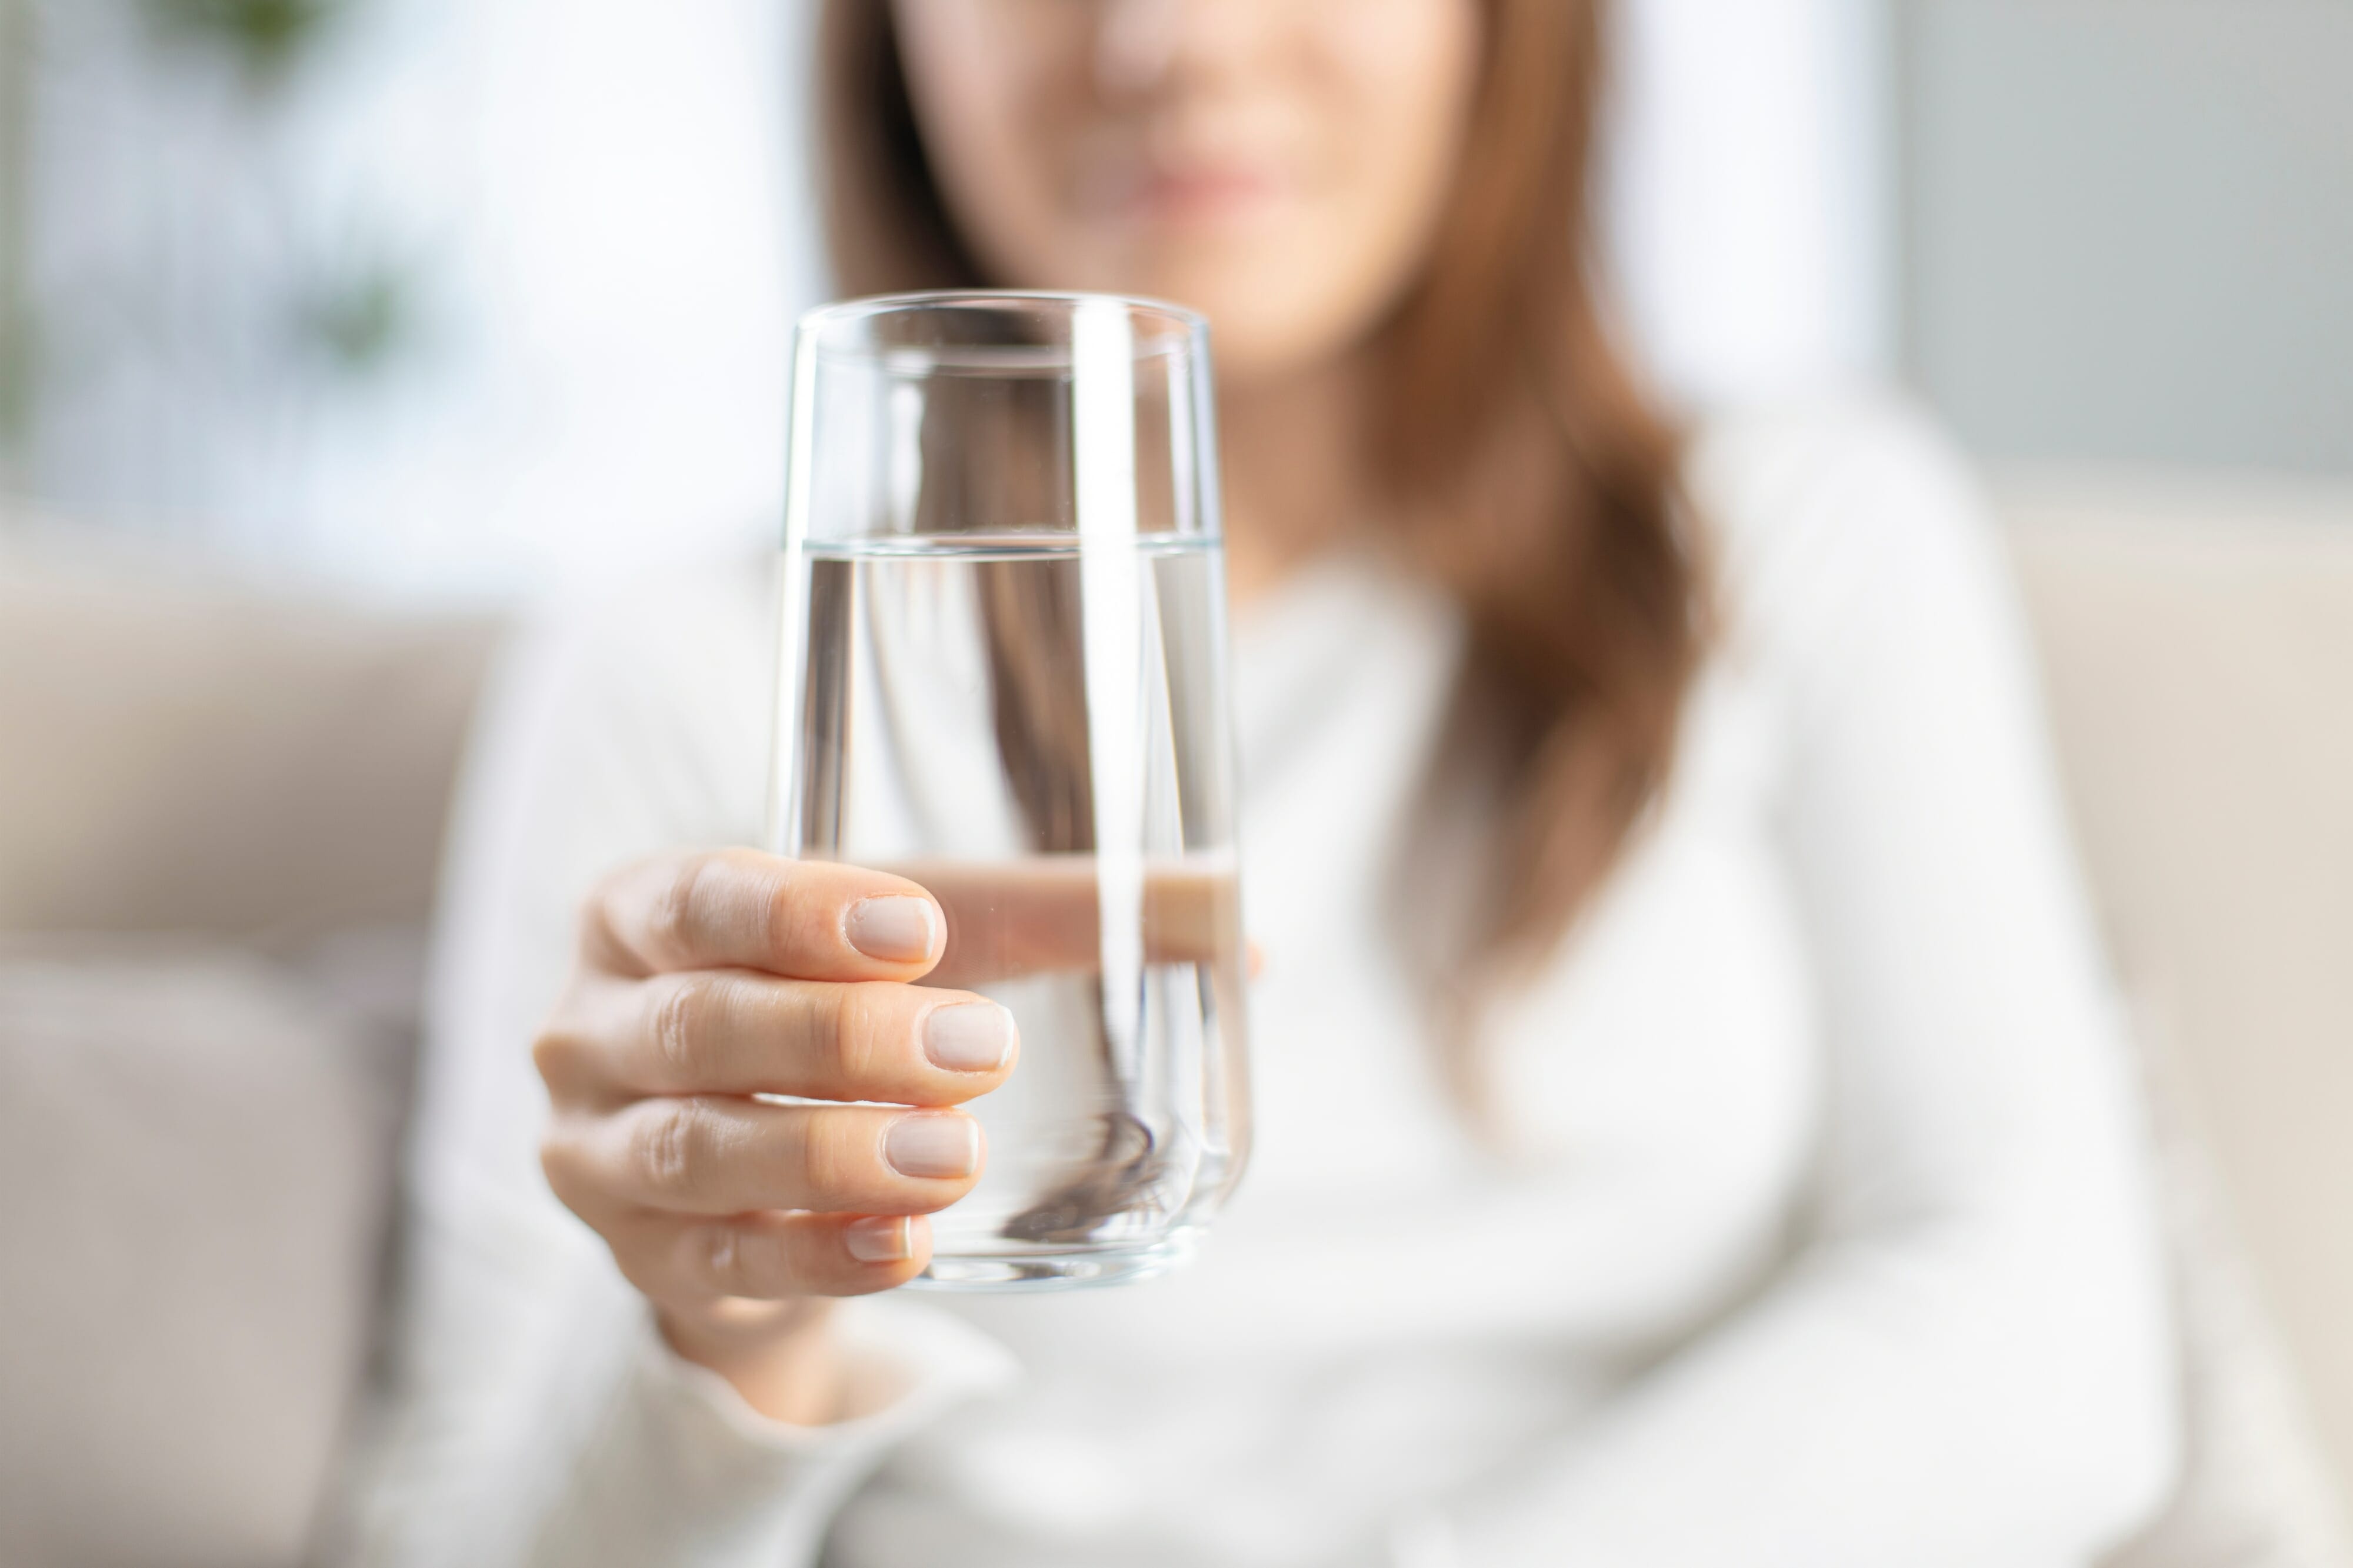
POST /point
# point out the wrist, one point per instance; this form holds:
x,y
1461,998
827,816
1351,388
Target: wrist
x,y
781,1357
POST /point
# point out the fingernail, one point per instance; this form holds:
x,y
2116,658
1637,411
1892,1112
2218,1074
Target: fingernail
x,y
933,1146
896,930
888,1240
971,1036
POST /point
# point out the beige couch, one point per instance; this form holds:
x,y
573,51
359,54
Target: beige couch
x,y
218,813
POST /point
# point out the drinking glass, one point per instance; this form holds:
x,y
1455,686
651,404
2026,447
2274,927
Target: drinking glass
x,y
1004,675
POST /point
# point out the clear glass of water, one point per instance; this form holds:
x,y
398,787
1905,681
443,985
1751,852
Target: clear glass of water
x,y
1004,675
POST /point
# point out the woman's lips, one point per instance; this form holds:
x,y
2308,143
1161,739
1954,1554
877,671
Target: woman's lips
x,y
1208,193
1202,194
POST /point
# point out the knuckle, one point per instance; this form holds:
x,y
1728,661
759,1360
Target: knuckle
x,y
608,914
746,1260
673,919
722,1259
682,1012
782,919
643,1266
834,1164
551,1054
840,1019
669,1150
564,1053
592,923
555,1162
570,1175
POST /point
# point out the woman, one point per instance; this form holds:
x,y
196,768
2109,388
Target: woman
x,y
1691,1128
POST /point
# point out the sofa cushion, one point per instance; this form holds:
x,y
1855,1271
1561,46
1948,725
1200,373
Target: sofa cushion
x,y
186,753
197,1149
2196,640
2253,1491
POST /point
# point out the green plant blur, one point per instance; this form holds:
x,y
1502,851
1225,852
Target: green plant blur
x,y
266,37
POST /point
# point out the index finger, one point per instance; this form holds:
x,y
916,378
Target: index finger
x,y
740,909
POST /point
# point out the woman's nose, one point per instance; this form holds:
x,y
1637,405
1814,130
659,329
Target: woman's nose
x,y
1144,45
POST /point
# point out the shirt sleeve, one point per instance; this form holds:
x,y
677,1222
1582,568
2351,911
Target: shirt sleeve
x,y
1966,1361
536,1416
682,1471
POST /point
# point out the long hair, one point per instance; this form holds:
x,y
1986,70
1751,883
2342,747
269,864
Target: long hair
x,y
1538,486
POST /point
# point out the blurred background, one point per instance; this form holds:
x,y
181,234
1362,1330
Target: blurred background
x,y
331,329
443,295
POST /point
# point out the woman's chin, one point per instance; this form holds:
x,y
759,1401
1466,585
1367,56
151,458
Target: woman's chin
x,y
1279,302
1263,328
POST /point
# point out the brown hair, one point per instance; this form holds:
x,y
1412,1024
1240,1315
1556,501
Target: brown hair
x,y
1537,484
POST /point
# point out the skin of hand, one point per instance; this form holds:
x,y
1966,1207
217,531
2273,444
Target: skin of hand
x,y
704,981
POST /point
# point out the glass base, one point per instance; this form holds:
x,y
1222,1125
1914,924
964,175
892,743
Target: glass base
x,y
1076,1270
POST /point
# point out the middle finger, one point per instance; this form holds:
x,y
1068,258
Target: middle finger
x,y
735,1032
721,1156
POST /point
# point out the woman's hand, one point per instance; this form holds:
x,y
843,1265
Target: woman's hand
x,y
705,980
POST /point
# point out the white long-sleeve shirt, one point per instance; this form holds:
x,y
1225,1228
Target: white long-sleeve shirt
x,y
1817,1232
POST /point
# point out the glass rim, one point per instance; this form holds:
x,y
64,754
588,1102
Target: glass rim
x,y
1191,327
1171,340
